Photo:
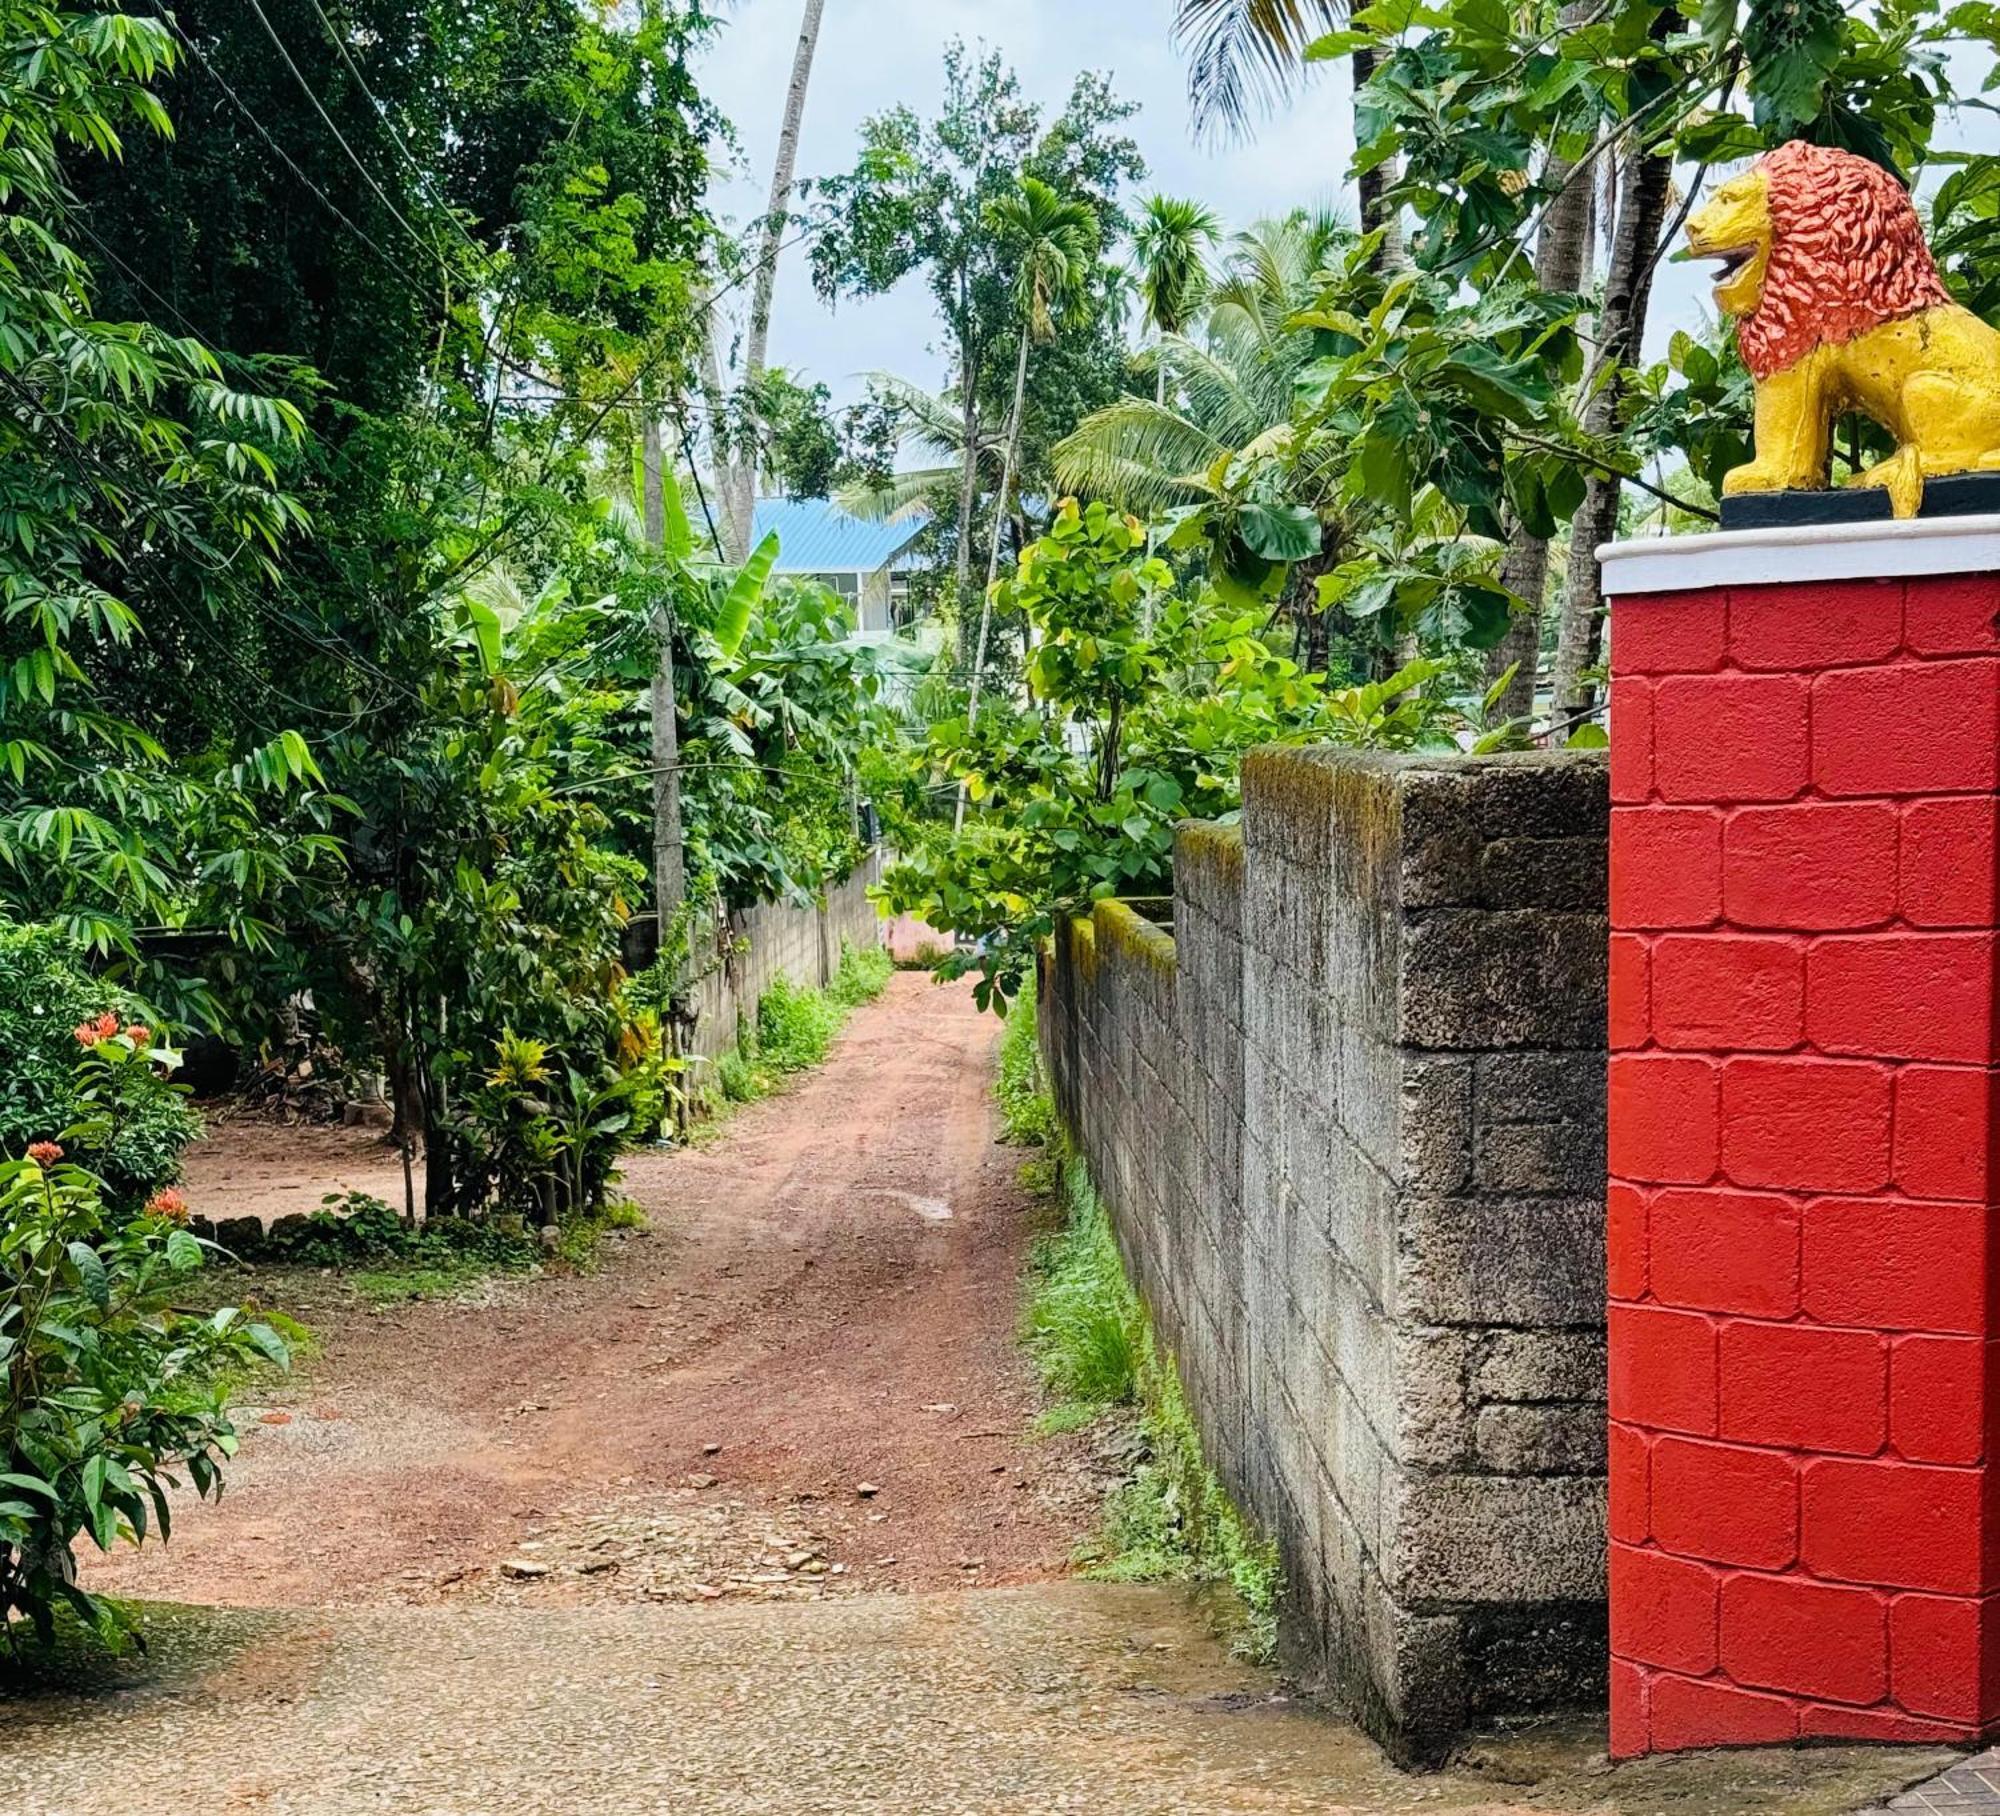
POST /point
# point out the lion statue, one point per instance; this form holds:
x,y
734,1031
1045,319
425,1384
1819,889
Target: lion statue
x,y
1839,306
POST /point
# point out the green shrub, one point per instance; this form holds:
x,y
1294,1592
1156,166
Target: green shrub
x,y
353,1230
737,1078
107,1390
46,994
1084,1327
795,1026
1027,1117
862,977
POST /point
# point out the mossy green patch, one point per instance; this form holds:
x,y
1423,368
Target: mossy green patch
x,y
1121,928
1171,1520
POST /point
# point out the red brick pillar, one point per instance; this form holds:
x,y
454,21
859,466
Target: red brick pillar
x,y
1802,1138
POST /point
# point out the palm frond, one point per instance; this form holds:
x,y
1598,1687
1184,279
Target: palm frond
x,y
1244,55
903,494
1139,456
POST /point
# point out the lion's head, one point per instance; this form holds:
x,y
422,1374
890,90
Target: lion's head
x,y
1816,246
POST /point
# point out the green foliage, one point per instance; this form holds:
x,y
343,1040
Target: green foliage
x,y
1144,701
1171,1520
1027,1117
353,1230
941,199
108,1392
1084,1326
795,1025
46,996
137,478
862,976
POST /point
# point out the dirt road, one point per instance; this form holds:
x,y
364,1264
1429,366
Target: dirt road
x,y
531,1557
826,1302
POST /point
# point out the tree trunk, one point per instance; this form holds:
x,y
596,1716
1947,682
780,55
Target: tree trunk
x,y
669,864
968,498
720,454
743,473
1562,259
1642,214
993,556
1374,184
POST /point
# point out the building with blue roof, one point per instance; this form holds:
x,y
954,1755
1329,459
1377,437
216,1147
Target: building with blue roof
x,y
867,564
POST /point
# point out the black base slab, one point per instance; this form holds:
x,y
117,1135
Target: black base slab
x,y
1956,495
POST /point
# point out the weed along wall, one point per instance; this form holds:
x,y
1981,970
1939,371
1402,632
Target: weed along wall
x,y
1349,1121
781,939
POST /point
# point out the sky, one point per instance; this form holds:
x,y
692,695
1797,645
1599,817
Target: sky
x,y
876,53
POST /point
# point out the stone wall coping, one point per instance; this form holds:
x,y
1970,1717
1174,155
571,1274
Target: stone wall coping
x,y
1811,552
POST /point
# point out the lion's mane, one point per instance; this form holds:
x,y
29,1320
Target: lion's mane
x,y
1847,254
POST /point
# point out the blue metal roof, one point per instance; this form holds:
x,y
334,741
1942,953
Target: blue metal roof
x,y
815,536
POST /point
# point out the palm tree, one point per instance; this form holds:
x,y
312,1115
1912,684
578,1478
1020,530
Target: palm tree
x,y
1055,243
1232,383
1172,237
737,478
1247,54
931,426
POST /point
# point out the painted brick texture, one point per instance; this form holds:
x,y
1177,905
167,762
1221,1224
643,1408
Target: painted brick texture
x,y
1348,1118
1801,1152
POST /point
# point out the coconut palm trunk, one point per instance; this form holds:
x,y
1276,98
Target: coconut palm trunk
x,y
1007,462
1562,258
669,862
968,499
741,478
1642,215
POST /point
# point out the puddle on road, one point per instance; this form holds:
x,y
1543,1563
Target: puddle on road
x,y
931,1210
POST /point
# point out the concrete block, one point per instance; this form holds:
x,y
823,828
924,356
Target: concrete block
x,y
1534,1366
1517,1261
1544,873
1474,1538
1521,978
1542,1440
1436,1119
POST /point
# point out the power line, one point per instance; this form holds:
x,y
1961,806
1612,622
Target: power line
x,y
257,126
367,176
395,138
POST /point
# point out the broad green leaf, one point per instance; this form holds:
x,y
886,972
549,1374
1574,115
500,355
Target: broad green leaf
x,y
744,593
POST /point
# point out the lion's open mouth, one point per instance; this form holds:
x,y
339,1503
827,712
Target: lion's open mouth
x,y
1728,261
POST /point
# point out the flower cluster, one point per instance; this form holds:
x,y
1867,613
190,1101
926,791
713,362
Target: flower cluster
x,y
106,1027
169,1202
44,1153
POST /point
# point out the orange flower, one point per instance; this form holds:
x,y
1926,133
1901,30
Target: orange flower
x,y
138,1034
169,1202
44,1153
107,1025
85,1034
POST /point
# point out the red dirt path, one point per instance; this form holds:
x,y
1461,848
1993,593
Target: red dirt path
x,y
828,1293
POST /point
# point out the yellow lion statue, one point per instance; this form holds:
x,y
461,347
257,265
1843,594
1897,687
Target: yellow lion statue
x,y
1839,306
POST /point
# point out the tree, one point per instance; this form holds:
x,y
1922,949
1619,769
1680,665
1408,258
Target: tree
x,y
737,478
1171,244
1052,244
917,200
1231,376
1562,258
1147,695
1247,52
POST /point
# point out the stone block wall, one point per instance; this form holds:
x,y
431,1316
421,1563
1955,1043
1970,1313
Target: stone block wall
x,y
780,939
1349,1121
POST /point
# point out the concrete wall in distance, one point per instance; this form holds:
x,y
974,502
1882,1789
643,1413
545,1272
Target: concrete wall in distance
x,y
780,939
1349,1120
